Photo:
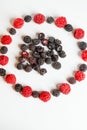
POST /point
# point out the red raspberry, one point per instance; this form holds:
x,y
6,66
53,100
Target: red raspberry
x,y
79,75
26,91
79,33
6,40
3,60
45,96
60,22
84,55
10,78
39,18
64,88
18,23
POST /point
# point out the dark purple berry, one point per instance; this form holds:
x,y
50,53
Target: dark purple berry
x,y
32,47
35,94
12,31
2,72
56,65
36,41
82,45
18,87
40,61
50,20
27,39
20,66
24,47
71,80
83,67
62,54
3,50
55,92
54,58
27,68
27,18
43,71
48,60
68,27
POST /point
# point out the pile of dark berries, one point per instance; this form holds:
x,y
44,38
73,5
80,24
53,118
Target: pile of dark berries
x,y
36,52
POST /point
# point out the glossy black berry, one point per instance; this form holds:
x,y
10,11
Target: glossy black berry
x,y
35,94
71,80
20,66
51,39
32,47
18,87
2,72
62,54
27,39
51,46
32,60
50,53
36,41
3,50
27,68
55,92
24,47
58,47
43,54
21,59
48,60
39,49
82,45
57,41
36,54
41,36
12,31
27,18
50,20
43,71
68,27
54,58
83,67
56,65
40,61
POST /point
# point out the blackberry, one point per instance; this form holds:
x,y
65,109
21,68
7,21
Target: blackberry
x,y
51,46
40,61
32,47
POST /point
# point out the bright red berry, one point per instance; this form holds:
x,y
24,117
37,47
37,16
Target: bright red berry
x,y
3,60
79,75
79,33
26,91
45,96
25,54
84,55
6,39
64,88
60,22
39,18
18,23
10,78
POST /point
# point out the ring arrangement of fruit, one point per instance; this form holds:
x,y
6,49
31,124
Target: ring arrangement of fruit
x,y
39,51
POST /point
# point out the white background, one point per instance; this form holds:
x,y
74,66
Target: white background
x,y
65,112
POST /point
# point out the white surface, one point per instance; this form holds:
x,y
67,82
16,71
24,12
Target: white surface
x,y
65,112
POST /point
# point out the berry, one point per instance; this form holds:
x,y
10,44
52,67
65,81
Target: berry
x,y
21,59
54,58
45,96
18,87
36,41
26,91
71,80
39,18
84,55
64,88
79,33
41,36
40,61
3,60
10,78
28,68
43,71
20,66
56,65
57,41
62,54
55,92
51,39
82,45
3,49
2,72
27,18
32,60
24,47
12,31
83,67
51,46
44,42
25,54
39,49
35,94
58,48
32,47
50,20
60,22
79,75
48,60
27,39
6,40
68,27
18,23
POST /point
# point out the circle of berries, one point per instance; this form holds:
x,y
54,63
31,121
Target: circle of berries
x,y
27,91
